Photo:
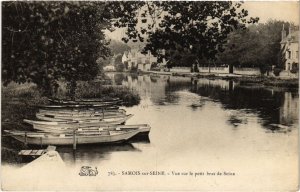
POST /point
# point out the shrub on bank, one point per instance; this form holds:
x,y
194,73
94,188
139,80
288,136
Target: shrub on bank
x,y
277,71
96,90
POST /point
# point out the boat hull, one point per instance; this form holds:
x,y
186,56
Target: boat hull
x,y
82,113
117,119
79,139
95,129
79,106
86,101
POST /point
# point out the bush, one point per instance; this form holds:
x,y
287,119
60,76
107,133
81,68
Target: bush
x,y
277,71
96,90
295,68
134,69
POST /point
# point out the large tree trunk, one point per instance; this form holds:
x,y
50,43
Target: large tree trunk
x,y
48,87
71,89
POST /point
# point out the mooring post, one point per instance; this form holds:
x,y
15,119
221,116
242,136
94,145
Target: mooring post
x,y
41,140
25,138
74,139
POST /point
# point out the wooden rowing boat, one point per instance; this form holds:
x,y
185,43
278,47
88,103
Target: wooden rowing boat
x,y
82,111
79,113
68,109
79,106
106,136
57,127
105,118
86,101
94,121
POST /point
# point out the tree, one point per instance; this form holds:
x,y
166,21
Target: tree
x,y
189,27
258,46
118,47
118,64
44,42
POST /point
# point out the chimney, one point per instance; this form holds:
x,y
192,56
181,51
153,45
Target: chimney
x,y
283,33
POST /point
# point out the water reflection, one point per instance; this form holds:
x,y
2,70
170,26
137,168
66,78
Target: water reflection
x,y
93,153
207,125
273,107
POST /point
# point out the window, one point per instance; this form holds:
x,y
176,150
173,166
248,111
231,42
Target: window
x,y
289,54
297,54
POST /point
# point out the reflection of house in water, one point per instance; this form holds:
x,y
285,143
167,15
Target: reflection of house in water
x,y
289,113
272,107
223,84
150,87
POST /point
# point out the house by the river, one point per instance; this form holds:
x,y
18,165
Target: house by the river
x,y
142,62
290,47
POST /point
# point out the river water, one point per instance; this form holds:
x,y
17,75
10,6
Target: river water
x,y
248,135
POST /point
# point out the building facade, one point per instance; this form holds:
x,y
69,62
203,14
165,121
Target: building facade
x,y
136,59
290,47
125,57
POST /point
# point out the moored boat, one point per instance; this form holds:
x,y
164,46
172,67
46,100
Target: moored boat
x,y
79,106
57,127
105,118
115,120
105,136
82,113
86,101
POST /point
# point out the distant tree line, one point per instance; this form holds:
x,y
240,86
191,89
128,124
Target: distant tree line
x,y
257,46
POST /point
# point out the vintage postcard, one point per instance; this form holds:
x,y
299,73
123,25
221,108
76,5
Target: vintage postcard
x,y
150,96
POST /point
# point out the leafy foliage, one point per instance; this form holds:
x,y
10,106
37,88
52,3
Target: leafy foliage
x,y
258,46
118,63
45,41
118,47
189,27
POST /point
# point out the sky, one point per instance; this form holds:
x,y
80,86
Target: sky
x,y
279,10
265,10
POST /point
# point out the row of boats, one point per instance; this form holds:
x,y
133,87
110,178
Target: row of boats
x,y
80,122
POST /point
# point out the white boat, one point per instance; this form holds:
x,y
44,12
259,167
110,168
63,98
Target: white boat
x,y
79,106
108,118
86,101
86,112
65,123
105,136
58,127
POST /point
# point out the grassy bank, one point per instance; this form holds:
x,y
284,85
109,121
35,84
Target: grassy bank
x,y
257,81
95,90
19,102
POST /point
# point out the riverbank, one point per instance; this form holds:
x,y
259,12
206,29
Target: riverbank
x,y
19,102
258,81
268,81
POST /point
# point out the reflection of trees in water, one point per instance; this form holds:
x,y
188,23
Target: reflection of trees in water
x,y
174,85
119,78
273,107
93,152
267,104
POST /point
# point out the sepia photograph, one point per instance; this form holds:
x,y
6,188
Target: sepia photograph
x,y
149,95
